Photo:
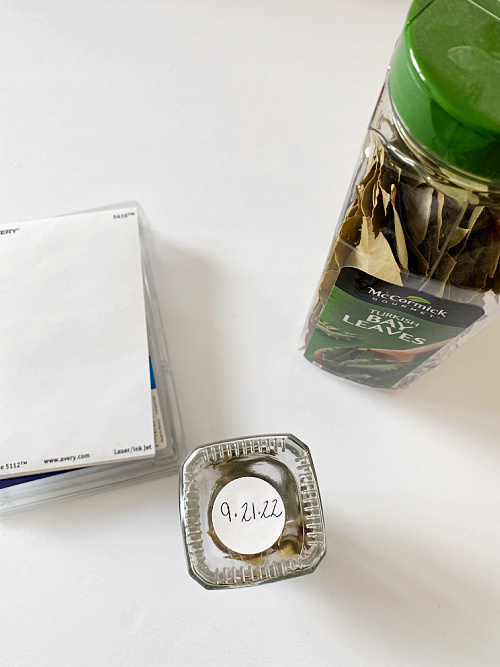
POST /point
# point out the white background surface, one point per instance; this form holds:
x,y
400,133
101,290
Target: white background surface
x,y
237,126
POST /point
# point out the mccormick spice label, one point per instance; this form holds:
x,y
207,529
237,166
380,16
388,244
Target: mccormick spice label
x,y
375,333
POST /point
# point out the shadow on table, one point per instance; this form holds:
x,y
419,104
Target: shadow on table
x,y
408,596
461,394
407,593
186,286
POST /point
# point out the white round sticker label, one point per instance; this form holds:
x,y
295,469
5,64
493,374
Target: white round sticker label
x,y
248,515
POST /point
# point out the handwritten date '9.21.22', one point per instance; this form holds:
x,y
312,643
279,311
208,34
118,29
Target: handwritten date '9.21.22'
x,y
249,512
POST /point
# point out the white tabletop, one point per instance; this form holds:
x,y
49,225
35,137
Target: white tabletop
x,y
237,126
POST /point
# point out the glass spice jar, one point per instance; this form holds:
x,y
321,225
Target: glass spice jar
x,y
414,271
251,512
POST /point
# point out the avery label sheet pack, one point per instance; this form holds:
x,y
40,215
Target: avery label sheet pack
x,y
74,366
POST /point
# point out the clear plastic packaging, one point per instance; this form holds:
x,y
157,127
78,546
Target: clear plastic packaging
x,y
23,492
414,268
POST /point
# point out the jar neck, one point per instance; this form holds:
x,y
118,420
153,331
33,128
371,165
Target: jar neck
x,y
463,178
434,168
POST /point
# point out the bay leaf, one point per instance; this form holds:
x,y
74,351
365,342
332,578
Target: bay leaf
x,y
351,229
379,214
444,269
457,236
373,255
457,248
402,252
494,283
462,271
437,224
352,209
417,263
386,178
370,170
483,248
386,198
429,245
416,210
474,216
367,195
328,281
453,214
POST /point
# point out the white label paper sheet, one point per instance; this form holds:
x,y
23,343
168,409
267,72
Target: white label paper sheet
x,y
74,364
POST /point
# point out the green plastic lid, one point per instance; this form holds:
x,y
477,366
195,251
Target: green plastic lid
x,y
445,81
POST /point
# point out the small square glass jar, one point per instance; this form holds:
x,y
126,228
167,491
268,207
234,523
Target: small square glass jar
x,y
251,512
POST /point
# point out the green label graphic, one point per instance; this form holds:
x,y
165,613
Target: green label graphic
x,y
374,332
